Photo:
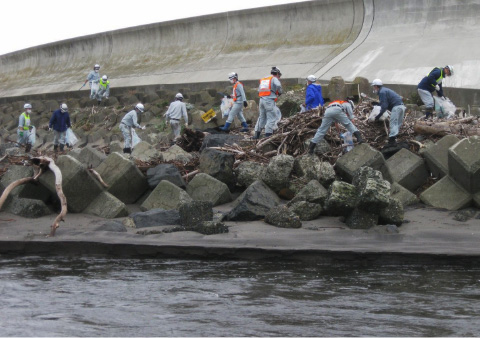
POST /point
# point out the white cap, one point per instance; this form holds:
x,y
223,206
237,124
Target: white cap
x,y
233,75
377,82
140,107
311,78
104,78
27,106
179,96
97,66
63,107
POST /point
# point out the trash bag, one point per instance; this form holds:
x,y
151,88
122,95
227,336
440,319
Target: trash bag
x,y
226,106
438,105
32,137
135,139
302,109
70,137
278,117
448,109
347,141
375,111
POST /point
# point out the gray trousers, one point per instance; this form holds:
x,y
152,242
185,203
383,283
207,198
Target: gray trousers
x,y
127,135
426,97
175,127
100,93
333,114
59,137
396,119
237,110
267,116
23,139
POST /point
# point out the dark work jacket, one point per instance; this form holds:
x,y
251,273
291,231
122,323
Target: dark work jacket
x,y
60,121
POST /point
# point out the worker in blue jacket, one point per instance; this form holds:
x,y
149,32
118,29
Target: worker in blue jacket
x,y
313,96
430,83
59,122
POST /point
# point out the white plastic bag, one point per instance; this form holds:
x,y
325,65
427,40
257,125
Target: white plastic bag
x,y
225,107
135,139
32,137
448,109
302,109
375,111
347,141
438,105
278,117
70,137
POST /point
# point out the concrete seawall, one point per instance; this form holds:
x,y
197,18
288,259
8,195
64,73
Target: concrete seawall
x,y
396,40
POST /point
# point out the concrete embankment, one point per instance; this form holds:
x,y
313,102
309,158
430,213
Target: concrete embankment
x,y
396,40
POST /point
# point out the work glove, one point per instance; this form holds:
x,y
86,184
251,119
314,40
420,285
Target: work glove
x,y
186,125
437,88
245,104
21,134
49,128
144,127
377,118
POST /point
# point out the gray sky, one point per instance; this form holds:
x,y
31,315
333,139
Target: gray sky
x,y
28,23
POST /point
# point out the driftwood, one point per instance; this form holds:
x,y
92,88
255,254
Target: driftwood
x,y
459,127
98,177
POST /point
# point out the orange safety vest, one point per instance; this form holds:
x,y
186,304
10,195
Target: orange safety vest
x,y
340,102
265,88
234,95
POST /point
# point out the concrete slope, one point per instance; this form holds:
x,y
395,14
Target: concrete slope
x,y
410,37
299,38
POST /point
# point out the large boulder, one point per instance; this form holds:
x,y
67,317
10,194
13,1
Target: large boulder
x,y
341,199
29,190
204,187
166,195
194,213
89,156
218,164
211,228
143,151
464,163
126,182
312,168
107,206
313,192
362,155
77,183
392,214
219,140
361,219
436,156
277,174
282,217
336,89
164,171
305,210
248,172
152,218
408,169
446,194
28,208
362,174
253,203
374,195
175,153
403,195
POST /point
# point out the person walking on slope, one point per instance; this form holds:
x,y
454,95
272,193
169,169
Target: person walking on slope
x,y
269,90
93,78
175,112
389,100
337,111
313,95
430,83
129,121
103,89
59,122
24,127
239,101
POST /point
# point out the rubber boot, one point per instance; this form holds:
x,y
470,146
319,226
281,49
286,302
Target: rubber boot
x,y
55,147
127,150
428,113
268,134
245,127
28,147
311,148
99,102
257,135
61,147
392,140
68,145
226,126
358,136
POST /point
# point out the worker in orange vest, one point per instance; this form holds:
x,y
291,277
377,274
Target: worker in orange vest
x,y
239,101
337,111
269,90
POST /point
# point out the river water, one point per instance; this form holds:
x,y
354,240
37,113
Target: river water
x,y
92,296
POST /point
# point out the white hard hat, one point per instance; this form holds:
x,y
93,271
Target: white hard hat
x,y
104,78
140,107
27,106
179,96
63,107
377,82
233,75
450,68
275,71
97,66
311,78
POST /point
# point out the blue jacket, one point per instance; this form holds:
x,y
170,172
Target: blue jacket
x,y
388,99
429,82
313,97
60,121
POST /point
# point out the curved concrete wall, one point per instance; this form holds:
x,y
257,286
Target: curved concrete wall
x,y
398,41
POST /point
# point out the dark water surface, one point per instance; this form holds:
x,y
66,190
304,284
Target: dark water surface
x,y
91,296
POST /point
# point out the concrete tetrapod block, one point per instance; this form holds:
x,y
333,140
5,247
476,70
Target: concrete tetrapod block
x,y
107,206
166,195
126,182
341,199
362,155
218,164
89,156
403,195
277,174
313,192
446,194
165,171
436,156
204,187
312,168
79,186
476,199
408,169
464,163
374,196
30,190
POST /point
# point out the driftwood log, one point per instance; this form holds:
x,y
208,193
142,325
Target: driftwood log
x,y
457,127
